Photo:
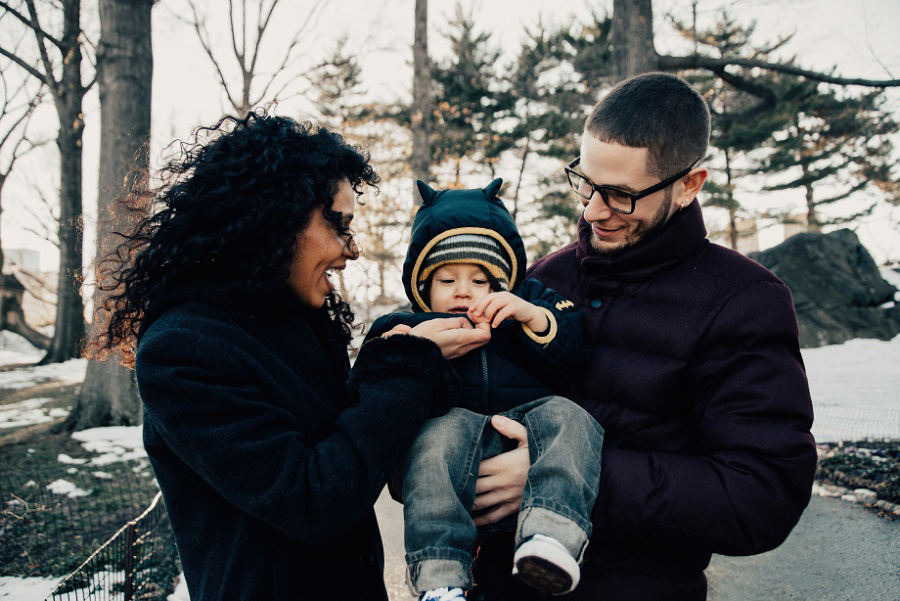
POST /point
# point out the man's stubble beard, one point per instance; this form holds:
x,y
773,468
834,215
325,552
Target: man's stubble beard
x,y
632,237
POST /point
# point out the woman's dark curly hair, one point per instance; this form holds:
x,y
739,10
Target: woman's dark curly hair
x,y
228,212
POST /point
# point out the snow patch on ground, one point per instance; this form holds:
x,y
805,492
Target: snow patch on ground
x,y
28,412
19,589
855,388
112,444
66,488
70,372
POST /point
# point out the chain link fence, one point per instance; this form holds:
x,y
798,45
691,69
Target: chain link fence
x,y
79,525
137,562
836,423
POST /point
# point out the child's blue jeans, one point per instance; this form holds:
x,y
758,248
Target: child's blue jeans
x,y
440,470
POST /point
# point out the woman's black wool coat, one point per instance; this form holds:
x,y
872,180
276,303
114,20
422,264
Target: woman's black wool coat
x,y
269,462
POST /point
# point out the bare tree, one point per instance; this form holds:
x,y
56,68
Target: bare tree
x,y
124,73
633,24
249,22
420,116
17,105
59,68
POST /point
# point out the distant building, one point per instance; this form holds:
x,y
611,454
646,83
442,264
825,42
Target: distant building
x,y
795,224
39,302
21,259
747,235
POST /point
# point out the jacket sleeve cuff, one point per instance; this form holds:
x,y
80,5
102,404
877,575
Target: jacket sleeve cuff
x,y
406,356
549,334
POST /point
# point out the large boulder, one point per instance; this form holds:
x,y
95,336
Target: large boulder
x,y
839,293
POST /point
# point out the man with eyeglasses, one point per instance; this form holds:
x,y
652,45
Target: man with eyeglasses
x,y
692,366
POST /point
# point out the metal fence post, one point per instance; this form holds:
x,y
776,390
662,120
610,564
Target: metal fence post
x,y
130,573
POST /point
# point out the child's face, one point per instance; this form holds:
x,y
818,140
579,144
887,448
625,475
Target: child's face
x,y
457,286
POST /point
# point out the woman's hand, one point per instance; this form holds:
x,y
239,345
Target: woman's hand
x,y
501,479
454,335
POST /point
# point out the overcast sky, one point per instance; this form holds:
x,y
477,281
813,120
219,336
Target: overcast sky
x,y
856,38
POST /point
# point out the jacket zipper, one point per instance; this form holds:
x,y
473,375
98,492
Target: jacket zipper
x,y
485,383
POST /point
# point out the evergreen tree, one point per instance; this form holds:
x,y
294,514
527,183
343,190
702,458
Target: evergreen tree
x,y
557,78
380,220
834,146
740,124
471,102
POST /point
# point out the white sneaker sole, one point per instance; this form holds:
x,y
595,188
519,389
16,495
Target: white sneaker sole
x,y
546,566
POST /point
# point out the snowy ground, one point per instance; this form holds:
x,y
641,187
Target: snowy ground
x,y
855,388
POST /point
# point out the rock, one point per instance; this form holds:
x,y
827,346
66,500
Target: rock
x,y
825,489
838,291
888,506
864,495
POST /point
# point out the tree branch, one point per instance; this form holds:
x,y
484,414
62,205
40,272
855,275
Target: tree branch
x,y
45,58
31,24
23,118
767,97
199,29
31,70
307,24
674,63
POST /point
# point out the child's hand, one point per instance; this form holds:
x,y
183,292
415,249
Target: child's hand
x,y
497,306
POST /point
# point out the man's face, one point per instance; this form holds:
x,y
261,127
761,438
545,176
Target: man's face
x,y
623,167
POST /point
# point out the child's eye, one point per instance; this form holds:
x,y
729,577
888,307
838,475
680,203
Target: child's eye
x,y
446,281
480,282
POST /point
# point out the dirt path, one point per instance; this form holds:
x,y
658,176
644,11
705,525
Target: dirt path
x,y
838,552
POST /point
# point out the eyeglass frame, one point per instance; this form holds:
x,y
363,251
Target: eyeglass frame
x,y
634,197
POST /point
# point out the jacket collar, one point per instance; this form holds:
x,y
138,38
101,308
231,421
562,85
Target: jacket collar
x,y
655,253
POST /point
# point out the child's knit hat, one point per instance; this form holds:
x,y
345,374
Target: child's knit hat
x,y
462,226
477,249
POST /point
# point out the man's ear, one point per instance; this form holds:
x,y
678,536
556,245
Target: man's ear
x,y
693,182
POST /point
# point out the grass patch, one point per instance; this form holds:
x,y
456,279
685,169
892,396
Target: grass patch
x,y
54,514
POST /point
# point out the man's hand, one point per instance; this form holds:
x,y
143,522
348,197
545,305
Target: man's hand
x,y
501,479
497,306
454,335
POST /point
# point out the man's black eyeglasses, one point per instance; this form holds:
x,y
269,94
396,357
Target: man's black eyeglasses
x,y
618,200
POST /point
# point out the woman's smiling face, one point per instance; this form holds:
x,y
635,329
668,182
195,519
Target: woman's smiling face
x,y
322,248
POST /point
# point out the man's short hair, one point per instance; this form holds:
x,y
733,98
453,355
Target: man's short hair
x,y
656,111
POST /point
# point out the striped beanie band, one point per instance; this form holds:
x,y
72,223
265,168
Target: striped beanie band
x,y
478,249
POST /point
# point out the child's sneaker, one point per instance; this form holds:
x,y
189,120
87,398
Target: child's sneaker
x,y
542,562
443,594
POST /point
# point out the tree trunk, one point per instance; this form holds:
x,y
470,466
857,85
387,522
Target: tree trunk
x,y
2,259
731,203
124,75
632,35
69,322
420,121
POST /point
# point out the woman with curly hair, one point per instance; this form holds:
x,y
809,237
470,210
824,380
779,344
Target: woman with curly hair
x,y
269,451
